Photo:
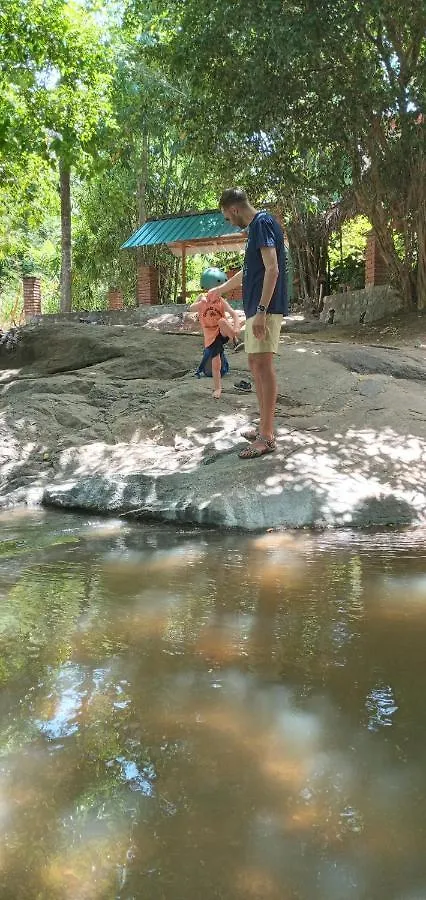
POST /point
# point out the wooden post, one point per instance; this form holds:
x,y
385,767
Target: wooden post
x,y
184,273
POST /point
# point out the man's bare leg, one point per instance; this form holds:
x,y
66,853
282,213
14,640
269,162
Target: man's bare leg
x,y
257,383
262,369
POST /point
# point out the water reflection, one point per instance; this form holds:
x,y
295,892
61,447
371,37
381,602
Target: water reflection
x,y
189,715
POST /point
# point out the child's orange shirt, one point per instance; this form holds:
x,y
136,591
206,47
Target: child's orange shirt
x,y
209,316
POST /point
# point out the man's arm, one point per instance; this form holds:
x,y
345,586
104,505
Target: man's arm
x,y
229,285
270,261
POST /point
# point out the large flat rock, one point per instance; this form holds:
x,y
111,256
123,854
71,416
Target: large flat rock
x,y
113,420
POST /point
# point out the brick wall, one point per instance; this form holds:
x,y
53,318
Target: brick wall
x,y
115,299
376,270
32,297
147,285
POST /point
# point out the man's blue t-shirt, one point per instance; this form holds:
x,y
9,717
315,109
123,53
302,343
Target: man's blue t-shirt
x,y
264,231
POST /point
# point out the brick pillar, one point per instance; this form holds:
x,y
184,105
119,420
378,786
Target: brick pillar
x,y
236,294
32,297
147,285
115,299
376,270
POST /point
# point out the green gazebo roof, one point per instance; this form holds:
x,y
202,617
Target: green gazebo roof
x,y
198,232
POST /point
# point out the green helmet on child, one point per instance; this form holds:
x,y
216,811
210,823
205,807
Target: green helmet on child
x,y
212,278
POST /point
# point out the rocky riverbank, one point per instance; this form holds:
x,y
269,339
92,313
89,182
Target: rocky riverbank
x,y
113,420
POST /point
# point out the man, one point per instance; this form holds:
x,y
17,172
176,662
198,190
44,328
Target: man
x,y
264,282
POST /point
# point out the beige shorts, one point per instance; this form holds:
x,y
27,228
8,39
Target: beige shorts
x,y
270,342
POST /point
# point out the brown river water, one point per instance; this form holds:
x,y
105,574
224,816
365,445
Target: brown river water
x,y
189,715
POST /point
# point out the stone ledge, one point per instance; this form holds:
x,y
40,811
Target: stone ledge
x,y
368,305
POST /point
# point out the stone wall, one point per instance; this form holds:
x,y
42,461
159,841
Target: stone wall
x,y
138,315
368,305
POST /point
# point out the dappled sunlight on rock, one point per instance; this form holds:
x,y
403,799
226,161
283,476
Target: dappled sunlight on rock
x,y
220,434
100,458
359,470
149,456
168,320
111,420
9,375
363,476
21,465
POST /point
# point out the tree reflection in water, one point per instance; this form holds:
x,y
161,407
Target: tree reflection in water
x,y
190,714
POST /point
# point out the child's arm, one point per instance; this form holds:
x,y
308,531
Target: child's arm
x,y
232,312
193,307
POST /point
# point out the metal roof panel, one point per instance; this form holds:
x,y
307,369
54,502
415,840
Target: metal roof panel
x,y
172,229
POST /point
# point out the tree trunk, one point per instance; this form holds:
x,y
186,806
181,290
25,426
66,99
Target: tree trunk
x,y
400,269
308,239
65,194
142,184
142,181
301,272
371,199
421,235
421,259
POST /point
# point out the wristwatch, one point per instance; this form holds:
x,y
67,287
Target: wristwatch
x,y
261,308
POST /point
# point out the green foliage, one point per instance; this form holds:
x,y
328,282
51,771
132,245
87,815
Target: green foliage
x,y
341,83
30,208
55,71
29,234
153,171
346,253
156,105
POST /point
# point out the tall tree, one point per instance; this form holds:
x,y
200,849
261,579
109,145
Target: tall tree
x,y
58,73
153,170
76,107
344,77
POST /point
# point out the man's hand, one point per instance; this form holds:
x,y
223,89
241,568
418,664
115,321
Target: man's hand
x,y
259,326
214,293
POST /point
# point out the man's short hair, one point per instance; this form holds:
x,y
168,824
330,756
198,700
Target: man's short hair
x,y
233,197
